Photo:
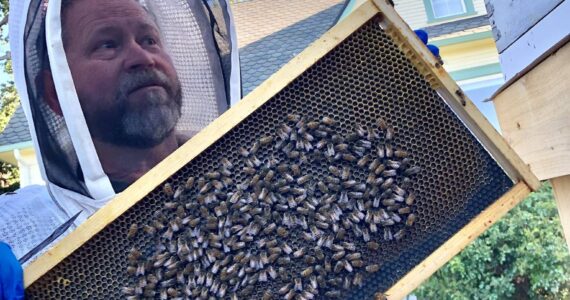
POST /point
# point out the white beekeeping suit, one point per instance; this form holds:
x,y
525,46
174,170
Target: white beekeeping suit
x,y
200,39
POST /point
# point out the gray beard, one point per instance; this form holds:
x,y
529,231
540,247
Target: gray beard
x,y
150,125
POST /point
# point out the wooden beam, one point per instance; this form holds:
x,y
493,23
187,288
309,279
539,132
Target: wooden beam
x,y
561,187
208,136
460,240
440,80
534,115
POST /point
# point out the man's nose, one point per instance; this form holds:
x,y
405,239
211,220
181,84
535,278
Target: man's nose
x,y
137,57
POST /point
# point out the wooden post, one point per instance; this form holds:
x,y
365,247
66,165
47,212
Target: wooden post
x,y
533,110
561,187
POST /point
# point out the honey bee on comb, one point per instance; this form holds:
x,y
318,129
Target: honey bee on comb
x,y
341,195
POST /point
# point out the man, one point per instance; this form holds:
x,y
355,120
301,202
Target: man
x,y
106,100
126,83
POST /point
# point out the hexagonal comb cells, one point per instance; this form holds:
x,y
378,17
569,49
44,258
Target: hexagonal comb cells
x,y
335,188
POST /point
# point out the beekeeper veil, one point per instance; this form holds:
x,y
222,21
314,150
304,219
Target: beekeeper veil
x,y
197,35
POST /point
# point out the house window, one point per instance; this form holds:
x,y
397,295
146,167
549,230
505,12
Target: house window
x,y
438,10
447,8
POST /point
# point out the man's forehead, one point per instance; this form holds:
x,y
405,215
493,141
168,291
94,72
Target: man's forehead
x,y
87,11
85,16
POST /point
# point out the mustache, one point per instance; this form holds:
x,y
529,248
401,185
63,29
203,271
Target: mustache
x,y
132,81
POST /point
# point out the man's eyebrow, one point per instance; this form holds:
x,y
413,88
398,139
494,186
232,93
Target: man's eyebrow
x,y
147,26
101,30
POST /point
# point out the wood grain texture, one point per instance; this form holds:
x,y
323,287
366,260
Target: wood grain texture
x,y
138,190
561,187
534,116
458,242
454,96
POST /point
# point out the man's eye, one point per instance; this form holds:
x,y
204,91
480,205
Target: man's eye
x,y
150,41
107,45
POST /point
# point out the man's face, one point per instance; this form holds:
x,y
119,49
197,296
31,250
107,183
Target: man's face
x,y
125,80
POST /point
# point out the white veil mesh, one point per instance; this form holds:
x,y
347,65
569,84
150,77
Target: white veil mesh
x,y
200,39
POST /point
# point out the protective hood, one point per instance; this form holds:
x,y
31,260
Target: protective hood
x,y
200,40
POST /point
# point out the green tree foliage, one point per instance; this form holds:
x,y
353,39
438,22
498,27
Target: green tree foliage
x,y
9,100
9,97
523,256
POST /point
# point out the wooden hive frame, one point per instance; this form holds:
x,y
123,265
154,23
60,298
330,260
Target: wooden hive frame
x,y
422,59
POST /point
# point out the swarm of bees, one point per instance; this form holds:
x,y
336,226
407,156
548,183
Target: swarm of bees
x,y
312,203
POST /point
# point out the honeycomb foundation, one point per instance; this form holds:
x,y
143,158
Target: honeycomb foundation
x,y
362,80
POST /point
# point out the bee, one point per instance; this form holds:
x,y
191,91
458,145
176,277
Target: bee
x,y
361,131
341,147
404,210
355,195
381,123
387,184
372,135
243,152
213,175
299,253
270,228
363,161
284,289
322,187
389,150
293,137
167,189
357,280
389,133
293,118
358,263
296,169
298,284
157,225
372,268
387,234
349,157
353,256
190,182
266,140
168,233
380,296
303,179
307,272
282,232
321,134
128,291
267,295
349,184
321,144
328,121
410,199
339,266
338,255
400,153
345,173
333,294
205,188
412,171
133,229
399,234
411,219
374,164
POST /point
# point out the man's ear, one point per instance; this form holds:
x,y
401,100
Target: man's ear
x,y
50,95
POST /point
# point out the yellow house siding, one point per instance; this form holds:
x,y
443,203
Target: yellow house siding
x,y
413,12
469,55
